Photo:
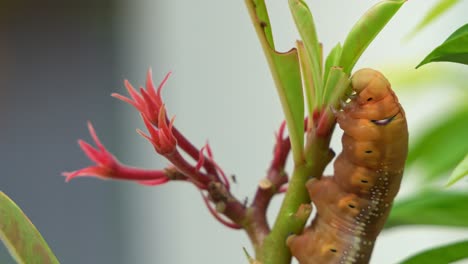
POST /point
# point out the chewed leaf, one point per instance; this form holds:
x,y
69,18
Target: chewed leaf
x,y
460,171
332,60
312,92
444,254
306,27
286,74
21,237
454,49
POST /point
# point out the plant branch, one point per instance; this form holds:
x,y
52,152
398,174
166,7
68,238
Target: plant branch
x,y
291,218
193,151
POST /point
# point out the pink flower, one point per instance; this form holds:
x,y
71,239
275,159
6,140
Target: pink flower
x,y
108,167
162,137
149,101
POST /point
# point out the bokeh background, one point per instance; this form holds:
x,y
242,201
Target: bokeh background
x,y
60,60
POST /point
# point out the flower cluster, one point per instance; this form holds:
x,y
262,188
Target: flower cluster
x,y
168,142
108,167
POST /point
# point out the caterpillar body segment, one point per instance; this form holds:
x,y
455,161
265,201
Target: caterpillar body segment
x,y
353,205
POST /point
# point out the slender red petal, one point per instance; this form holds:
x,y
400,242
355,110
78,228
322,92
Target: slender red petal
x,y
92,153
201,159
157,145
152,109
209,151
146,136
107,166
225,179
149,126
126,99
165,141
281,130
171,124
70,175
149,83
161,85
153,141
96,140
99,155
121,172
162,117
155,95
170,133
92,171
133,93
166,134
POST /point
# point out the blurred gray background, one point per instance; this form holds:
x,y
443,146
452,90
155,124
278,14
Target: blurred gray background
x,y
60,60
57,68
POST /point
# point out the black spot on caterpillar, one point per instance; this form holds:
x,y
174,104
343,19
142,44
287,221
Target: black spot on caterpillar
x,y
353,205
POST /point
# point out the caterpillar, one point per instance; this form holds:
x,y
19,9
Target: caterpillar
x,y
353,205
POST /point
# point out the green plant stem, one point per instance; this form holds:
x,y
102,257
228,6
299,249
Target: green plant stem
x,y
256,232
287,222
275,250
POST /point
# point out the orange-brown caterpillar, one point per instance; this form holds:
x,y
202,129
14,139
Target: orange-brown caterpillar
x,y
353,205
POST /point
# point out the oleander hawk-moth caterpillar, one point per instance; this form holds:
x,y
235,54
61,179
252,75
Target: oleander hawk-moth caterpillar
x,y
353,205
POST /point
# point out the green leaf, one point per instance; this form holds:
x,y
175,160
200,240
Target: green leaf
x,y
337,82
442,146
365,30
460,171
307,78
444,254
332,60
21,238
440,8
441,208
262,19
454,49
306,27
286,74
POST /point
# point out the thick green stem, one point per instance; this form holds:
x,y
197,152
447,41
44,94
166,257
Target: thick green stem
x,y
287,222
275,250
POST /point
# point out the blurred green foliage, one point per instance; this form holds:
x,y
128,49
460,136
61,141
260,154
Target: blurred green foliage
x,y
440,255
435,12
21,237
432,207
459,172
441,146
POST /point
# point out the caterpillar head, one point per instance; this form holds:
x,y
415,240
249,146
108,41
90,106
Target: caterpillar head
x,y
369,85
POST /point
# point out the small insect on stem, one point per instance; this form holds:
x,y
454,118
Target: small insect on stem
x,y
234,178
246,202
